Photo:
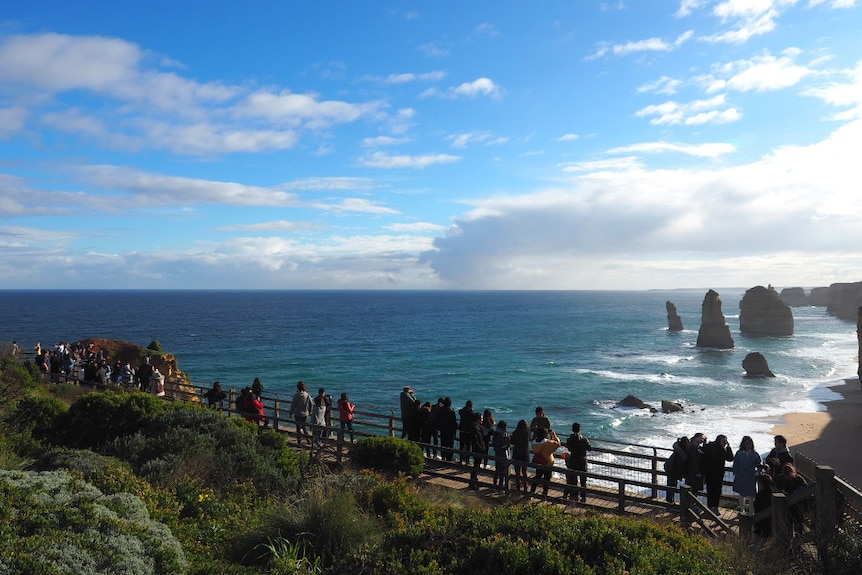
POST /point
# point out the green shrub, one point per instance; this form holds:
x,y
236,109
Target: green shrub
x,y
53,523
38,415
844,554
190,442
389,455
325,522
99,417
155,345
394,500
534,539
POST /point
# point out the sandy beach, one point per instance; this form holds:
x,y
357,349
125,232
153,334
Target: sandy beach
x,y
830,437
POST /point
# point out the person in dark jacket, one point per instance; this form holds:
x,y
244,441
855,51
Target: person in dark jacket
x,y
763,500
715,454
694,467
465,431
448,426
676,466
576,462
477,440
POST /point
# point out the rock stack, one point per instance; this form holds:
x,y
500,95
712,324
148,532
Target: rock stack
x,y
755,365
674,323
714,331
763,313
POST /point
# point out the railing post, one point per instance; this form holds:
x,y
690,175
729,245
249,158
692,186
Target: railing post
x,y
339,450
392,425
685,497
825,514
276,405
780,519
654,473
621,495
231,402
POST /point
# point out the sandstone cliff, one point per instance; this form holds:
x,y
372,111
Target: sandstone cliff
x,y
794,297
762,313
844,299
714,331
674,322
755,365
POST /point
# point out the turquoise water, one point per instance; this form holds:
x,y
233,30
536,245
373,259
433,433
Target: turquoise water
x,y
574,353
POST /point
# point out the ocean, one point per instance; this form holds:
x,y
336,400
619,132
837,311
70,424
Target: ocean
x,y
575,353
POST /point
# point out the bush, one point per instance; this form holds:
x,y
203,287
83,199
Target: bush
x,y
844,554
53,523
38,415
155,345
192,442
389,455
99,417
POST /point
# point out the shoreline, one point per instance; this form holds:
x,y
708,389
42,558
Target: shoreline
x,y
828,437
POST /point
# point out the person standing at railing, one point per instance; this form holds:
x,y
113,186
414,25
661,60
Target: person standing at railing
x,y
465,431
675,466
345,414
477,440
521,453
318,420
540,421
545,444
215,395
257,387
488,424
434,424
447,424
694,467
576,462
746,462
300,408
327,414
409,408
501,441
715,454
422,417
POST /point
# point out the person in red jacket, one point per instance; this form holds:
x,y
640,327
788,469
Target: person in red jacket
x,y
345,414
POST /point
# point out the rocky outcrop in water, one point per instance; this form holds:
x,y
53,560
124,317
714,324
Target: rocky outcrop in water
x,y
844,299
670,406
755,365
794,297
714,331
762,313
674,322
819,296
637,403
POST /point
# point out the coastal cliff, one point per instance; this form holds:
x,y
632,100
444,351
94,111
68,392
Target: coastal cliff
x,y
714,331
763,313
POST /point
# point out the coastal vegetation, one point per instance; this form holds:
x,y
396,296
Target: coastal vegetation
x,y
124,482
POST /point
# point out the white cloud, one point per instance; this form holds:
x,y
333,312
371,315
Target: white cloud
x,y
664,85
387,161
474,89
710,150
407,77
842,94
629,163
795,206
292,109
470,138
759,74
487,30
748,18
712,111
416,227
433,50
12,121
359,205
648,45
568,137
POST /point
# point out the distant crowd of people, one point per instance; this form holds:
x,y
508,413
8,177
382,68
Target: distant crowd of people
x,y
700,464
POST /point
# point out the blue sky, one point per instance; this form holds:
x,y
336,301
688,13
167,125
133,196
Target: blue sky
x,y
437,145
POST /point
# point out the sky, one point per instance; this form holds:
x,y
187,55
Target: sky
x,y
278,144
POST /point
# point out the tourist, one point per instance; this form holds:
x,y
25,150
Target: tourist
x,y
144,372
545,444
345,415
465,431
521,453
409,407
327,404
477,441
488,424
422,417
763,500
300,408
778,456
447,425
157,383
257,387
789,482
746,464
215,395
694,467
433,424
318,419
675,466
501,441
576,462
540,421
715,454
127,374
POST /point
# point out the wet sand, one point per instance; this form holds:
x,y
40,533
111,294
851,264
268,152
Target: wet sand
x,y
831,437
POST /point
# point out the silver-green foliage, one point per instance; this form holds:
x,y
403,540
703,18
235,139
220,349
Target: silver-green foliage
x,y
54,523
